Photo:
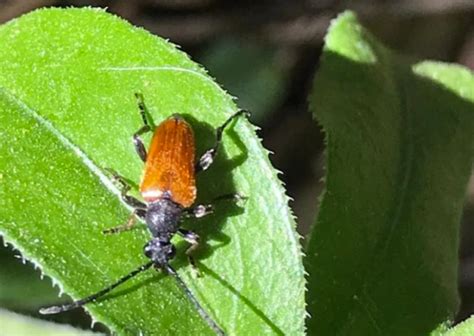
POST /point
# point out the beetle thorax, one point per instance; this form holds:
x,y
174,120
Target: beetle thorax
x,y
162,218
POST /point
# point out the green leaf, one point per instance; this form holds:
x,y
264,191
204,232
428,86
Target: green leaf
x,y
18,325
382,256
67,112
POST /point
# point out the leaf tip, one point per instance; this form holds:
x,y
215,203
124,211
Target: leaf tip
x,y
348,38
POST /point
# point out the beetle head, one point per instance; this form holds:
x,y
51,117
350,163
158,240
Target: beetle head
x,y
159,251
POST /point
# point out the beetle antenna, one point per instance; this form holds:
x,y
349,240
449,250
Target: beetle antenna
x,y
93,297
192,298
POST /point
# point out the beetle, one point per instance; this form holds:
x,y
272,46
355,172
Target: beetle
x,y
168,189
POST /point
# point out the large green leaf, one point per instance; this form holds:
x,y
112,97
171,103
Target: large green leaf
x,y
67,111
382,256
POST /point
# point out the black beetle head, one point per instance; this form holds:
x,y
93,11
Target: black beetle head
x,y
160,252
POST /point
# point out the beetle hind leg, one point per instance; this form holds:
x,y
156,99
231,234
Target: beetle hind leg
x,y
208,157
137,141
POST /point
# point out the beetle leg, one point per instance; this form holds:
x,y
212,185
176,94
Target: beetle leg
x,y
198,211
133,202
137,141
208,157
192,238
124,189
132,220
231,197
202,210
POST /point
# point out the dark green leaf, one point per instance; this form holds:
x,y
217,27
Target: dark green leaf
x,y
382,257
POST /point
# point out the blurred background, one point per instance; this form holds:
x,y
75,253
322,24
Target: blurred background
x,y
266,53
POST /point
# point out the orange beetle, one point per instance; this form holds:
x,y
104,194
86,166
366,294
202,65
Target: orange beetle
x,y
169,167
168,188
